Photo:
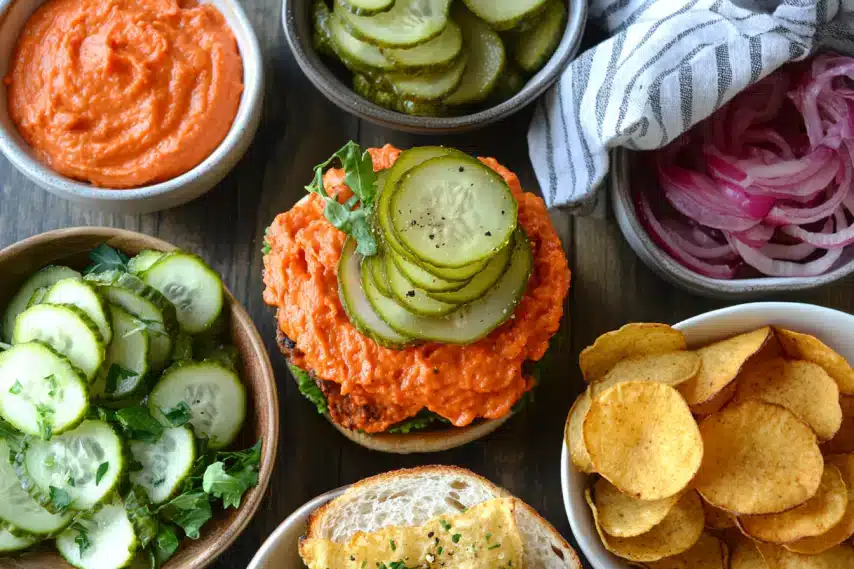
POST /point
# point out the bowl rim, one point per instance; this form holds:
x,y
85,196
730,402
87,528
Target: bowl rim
x,y
299,517
627,219
768,313
342,95
253,499
20,154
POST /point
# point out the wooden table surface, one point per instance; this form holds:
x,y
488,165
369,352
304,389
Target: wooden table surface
x,y
610,287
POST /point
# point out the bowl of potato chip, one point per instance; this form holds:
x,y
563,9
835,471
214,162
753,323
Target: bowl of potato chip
x,y
725,441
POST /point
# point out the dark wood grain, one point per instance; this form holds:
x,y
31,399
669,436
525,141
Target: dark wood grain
x,y
299,129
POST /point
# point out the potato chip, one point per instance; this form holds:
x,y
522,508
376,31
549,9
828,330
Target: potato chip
x,y
721,363
716,518
677,532
717,402
574,434
632,340
621,515
708,553
672,368
802,387
776,557
845,528
759,458
843,441
746,555
642,437
814,517
806,347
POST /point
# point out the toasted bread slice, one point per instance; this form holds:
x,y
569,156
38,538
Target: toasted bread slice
x,y
416,495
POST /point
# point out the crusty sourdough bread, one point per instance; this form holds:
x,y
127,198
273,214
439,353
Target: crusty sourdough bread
x,y
414,496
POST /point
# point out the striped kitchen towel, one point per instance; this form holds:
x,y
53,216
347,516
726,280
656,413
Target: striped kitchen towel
x,y
667,65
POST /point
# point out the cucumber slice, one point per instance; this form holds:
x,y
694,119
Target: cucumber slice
x,y
353,278
428,86
352,51
38,296
376,269
453,210
472,321
485,60
142,262
193,287
407,24
422,278
535,45
481,283
216,398
46,277
439,52
129,351
10,543
505,14
76,292
110,535
153,310
70,462
367,7
165,464
66,329
18,510
40,390
411,297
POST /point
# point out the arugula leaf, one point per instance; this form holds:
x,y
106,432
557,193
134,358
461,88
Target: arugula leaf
x,y
164,545
105,258
309,388
115,376
360,177
102,470
189,511
266,248
59,499
139,512
138,424
229,486
16,388
178,415
82,539
422,420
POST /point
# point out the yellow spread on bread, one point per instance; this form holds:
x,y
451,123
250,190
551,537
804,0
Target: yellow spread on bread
x,y
483,537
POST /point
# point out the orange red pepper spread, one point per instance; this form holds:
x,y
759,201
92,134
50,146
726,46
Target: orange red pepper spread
x,y
460,383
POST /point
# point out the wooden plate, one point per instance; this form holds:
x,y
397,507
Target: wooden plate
x,y
71,247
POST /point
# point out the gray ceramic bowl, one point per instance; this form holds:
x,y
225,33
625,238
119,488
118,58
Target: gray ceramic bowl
x,y
626,170
296,19
172,193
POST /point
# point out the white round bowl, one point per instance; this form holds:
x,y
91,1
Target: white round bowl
x,y
625,173
834,328
281,550
156,197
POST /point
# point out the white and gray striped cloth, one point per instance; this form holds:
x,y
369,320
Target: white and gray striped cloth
x,y
668,65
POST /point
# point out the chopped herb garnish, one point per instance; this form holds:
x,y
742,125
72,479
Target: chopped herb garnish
x,y
45,420
16,388
493,546
82,539
59,499
488,536
102,470
392,544
105,258
115,376
151,326
445,525
135,466
265,249
456,537
51,381
360,177
178,415
440,550
138,424
70,481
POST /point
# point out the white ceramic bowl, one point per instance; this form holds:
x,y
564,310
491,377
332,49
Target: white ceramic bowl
x,y
834,328
156,197
281,550
625,173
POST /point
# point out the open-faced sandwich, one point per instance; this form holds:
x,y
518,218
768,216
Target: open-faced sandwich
x,y
414,292
433,516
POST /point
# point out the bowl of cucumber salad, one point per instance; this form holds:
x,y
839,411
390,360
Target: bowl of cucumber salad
x,y
433,65
138,409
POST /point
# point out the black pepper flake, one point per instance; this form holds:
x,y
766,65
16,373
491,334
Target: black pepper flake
x,y
488,233
432,236
431,534
435,370
462,169
410,293
502,212
413,222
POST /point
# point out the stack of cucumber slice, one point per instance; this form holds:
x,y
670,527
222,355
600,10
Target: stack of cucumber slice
x,y
89,416
438,57
452,265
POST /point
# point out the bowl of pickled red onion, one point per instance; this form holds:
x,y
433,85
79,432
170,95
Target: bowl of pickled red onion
x,y
756,199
